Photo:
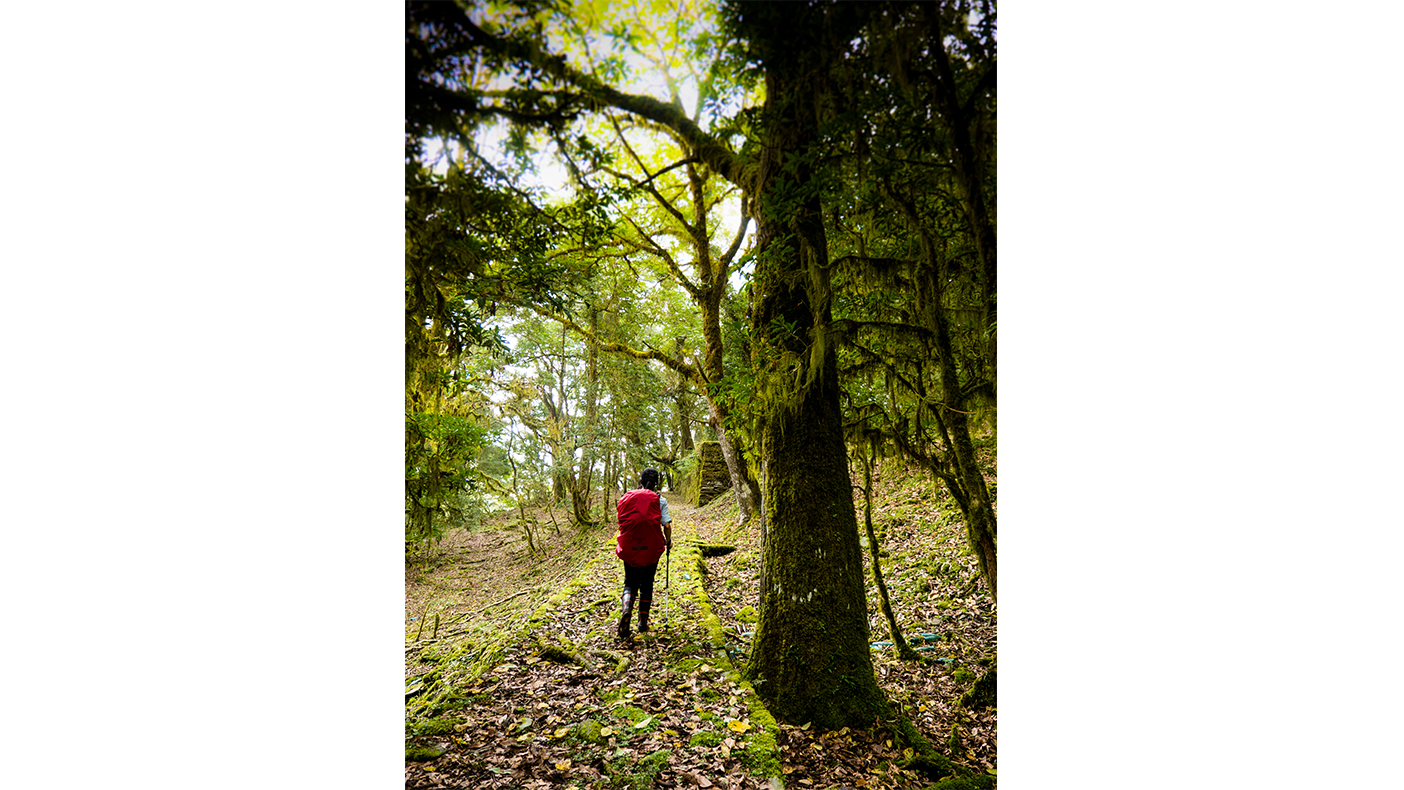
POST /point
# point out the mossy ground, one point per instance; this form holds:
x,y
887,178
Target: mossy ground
x,y
503,716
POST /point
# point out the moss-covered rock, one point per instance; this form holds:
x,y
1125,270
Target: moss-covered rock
x,y
710,479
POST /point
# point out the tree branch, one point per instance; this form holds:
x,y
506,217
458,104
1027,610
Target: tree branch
x,y
619,348
719,157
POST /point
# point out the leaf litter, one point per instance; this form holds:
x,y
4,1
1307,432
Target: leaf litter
x,y
674,717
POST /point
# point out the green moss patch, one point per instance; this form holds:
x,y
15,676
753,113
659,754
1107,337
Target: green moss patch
x,y
707,738
423,754
637,773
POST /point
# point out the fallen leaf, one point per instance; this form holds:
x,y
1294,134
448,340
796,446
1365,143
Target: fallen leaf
x,y
703,781
606,731
563,765
562,732
738,726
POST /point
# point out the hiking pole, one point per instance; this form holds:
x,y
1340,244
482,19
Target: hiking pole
x,y
667,568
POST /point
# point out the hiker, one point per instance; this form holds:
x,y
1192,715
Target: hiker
x,y
645,532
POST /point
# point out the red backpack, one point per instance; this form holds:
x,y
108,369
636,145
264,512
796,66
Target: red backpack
x,y
640,538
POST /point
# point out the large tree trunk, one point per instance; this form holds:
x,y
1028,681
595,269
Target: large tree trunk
x,y
811,659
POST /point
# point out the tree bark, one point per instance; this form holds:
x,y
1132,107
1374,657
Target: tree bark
x,y
811,660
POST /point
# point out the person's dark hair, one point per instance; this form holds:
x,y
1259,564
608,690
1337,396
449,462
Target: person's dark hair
x,y
649,479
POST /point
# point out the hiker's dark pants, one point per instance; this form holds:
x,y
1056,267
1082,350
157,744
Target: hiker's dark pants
x,y
638,581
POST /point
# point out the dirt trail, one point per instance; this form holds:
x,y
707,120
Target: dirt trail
x,y
667,710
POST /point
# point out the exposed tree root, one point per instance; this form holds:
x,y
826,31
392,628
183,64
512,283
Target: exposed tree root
x,y
926,759
982,694
621,661
561,655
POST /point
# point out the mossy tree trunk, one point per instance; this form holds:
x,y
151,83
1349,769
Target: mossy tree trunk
x,y
707,292
811,659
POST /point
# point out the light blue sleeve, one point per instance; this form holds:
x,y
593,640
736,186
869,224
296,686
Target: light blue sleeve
x,y
663,509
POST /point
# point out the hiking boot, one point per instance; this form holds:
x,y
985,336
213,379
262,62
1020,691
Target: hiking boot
x,y
644,605
624,620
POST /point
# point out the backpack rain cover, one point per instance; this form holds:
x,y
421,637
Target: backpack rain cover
x,y
640,538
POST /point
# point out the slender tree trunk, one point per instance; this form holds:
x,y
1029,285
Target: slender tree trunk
x,y
979,516
684,408
589,438
903,649
714,369
747,495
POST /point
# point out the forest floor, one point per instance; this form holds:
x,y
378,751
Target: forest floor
x,y
514,676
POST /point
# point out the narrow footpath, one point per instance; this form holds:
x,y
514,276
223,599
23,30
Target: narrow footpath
x,y
553,699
